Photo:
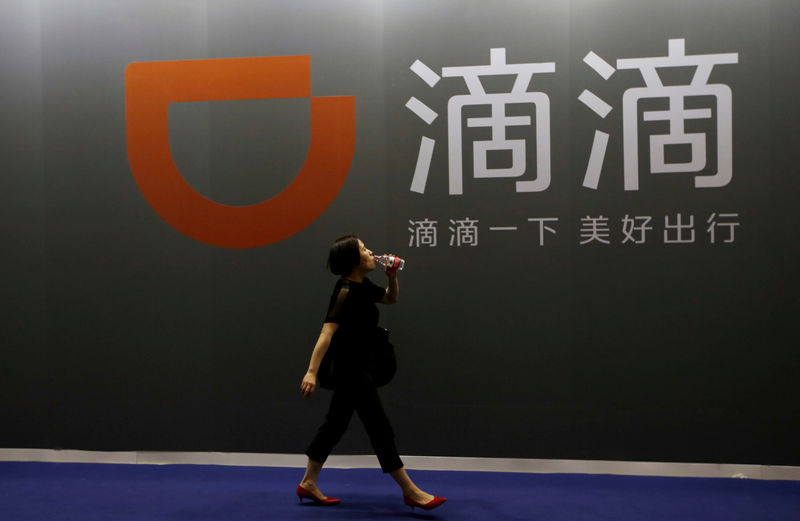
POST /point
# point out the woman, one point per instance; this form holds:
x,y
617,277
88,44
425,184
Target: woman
x,y
353,318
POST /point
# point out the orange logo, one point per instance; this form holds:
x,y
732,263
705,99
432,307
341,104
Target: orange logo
x,y
151,86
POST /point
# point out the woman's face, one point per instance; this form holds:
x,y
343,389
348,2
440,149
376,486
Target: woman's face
x,y
367,258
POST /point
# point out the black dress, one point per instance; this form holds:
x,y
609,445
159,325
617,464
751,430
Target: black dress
x,y
352,307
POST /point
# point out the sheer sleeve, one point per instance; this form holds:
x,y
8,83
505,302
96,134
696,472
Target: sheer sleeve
x,y
336,308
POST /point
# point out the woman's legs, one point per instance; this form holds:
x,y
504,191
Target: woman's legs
x,y
328,435
310,478
333,428
410,490
370,409
359,394
312,472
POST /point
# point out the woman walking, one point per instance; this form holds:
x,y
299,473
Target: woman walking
x,y
352,320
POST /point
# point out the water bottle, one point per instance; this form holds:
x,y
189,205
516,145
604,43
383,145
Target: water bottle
x,y
390,261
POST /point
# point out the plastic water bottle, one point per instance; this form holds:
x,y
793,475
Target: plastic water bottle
x,y
390,261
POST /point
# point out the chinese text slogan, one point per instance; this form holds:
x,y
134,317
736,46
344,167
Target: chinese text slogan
x,y
630,229
677,228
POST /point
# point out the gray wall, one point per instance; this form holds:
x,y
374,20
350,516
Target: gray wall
x,y
120,333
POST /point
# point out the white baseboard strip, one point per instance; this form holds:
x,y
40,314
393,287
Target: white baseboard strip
x,y
537,466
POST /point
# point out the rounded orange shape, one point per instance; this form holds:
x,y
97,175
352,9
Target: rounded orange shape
x,y
149,89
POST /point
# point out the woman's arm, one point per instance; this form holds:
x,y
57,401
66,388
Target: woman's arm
x,y
393,289
309,384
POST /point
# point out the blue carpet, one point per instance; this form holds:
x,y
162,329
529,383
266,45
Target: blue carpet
x,y
93,492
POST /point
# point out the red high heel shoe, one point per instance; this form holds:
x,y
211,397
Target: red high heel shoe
x,y
430,505
303,493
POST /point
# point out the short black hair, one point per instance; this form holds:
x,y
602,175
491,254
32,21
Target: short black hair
x,y
344,255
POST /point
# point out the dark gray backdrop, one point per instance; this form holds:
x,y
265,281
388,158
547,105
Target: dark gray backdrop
x,y
120,333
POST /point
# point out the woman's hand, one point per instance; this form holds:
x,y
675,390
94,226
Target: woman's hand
x,y
309,384
393,288
392,272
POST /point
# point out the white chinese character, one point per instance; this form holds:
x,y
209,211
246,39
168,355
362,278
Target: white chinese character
x,y
595,229
543,227
676,115
601,108
465,232
713,224
679,228
637,224
497,122
423,233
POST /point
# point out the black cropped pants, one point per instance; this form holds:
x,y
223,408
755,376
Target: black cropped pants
x,y
356,392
